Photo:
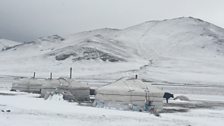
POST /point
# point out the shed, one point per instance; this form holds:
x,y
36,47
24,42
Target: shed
x,y
130,94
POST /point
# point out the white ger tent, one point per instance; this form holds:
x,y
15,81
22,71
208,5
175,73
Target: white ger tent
x,y
130,94
71,89
28,85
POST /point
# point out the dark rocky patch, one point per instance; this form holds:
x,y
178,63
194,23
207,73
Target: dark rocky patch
x,y
7,94
52,38
64,56
16,46
84,53
93,54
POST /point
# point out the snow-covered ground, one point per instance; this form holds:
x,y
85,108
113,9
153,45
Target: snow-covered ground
x,y
205,108
27,109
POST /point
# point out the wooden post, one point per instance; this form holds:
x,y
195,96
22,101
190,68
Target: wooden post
x,y
50,76
34,75
70,72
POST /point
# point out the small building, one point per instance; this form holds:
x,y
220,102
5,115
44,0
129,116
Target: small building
x,y
79,91
30,85
131,94
72,90
50,86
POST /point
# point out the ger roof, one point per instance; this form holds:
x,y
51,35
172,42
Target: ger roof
x,y
127,85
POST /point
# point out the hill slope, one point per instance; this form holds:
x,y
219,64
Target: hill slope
x,y
181,50
6,44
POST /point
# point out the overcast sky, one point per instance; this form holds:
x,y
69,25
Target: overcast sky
x,y
25,20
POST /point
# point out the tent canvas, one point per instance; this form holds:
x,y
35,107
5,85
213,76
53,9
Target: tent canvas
x,y
28,85
126,92
71,89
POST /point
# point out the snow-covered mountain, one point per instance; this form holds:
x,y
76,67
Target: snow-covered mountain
x,y
6,44
181,50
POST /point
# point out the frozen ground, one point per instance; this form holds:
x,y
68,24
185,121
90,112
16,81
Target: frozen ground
x,y
27,109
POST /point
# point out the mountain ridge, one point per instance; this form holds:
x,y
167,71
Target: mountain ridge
x,y
164,47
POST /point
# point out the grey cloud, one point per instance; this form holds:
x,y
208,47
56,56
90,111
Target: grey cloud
x,y
25,20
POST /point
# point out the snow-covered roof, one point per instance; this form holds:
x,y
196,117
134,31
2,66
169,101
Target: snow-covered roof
x,y
64,83
125,86
75,84
29,81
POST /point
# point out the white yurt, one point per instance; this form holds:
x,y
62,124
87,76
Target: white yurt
x,y
50,86
71,89
131,94
79,91
28,85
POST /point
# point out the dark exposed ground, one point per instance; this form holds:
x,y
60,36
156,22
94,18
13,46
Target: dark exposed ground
x,y
7,94
187,106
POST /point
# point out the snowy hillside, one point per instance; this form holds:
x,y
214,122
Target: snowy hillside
x,y
181,50
6,44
